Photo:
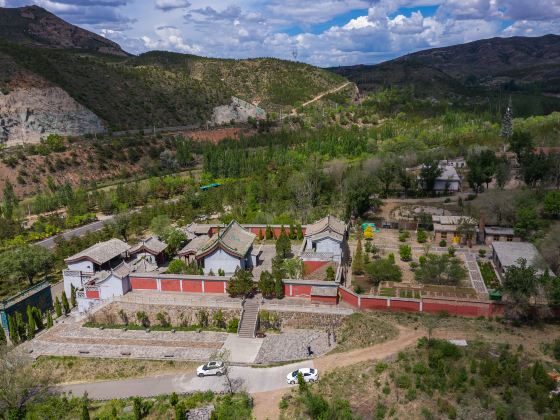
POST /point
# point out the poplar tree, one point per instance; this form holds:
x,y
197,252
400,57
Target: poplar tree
x,y
30,323
72,296
49,320
299,232
358,258
20,327
65,304
12,327
57,307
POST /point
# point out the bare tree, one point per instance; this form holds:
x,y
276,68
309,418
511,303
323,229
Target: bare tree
x,y
19,383
233,385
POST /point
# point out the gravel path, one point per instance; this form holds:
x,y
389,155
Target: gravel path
x,y
292,345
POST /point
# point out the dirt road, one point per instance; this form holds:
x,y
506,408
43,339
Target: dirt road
x,y
266,403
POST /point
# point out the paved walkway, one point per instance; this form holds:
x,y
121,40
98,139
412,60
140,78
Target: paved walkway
x,y
475,276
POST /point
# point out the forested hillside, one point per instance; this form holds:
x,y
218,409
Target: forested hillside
x,y
525,68
154,89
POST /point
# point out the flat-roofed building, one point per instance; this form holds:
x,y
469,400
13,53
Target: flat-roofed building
x,y
507,254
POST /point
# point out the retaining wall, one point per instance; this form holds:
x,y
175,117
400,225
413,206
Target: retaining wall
x,y
303,289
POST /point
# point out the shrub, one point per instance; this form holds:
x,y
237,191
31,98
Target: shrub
x,y
451,251
443,243
358,289
143,319
405,252
421,236
383,270
202,318
232,325
163,319
482,253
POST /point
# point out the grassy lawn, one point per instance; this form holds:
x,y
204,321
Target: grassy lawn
x,y
435,380
364,329
65,369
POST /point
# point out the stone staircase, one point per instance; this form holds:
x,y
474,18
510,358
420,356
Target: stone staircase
x,y
249,318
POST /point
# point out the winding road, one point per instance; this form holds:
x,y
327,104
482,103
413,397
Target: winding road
x,y
266,384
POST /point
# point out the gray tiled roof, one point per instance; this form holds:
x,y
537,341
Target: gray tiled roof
x,y
152,245
101,252
194,245
234,238
326,224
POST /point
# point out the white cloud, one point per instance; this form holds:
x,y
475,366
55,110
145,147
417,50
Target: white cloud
x,y
532,28
167,5
170,38
531,10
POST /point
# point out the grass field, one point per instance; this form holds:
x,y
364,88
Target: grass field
x,y
65,369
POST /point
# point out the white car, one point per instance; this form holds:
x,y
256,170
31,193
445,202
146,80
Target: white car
x,y
211,368
309,375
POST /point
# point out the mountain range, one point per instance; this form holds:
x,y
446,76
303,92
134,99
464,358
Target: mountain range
x,y
517,63
57,77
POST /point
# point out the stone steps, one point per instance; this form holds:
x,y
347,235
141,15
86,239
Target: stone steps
x,y
249,319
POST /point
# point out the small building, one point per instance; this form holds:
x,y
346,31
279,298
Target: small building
x,y
198,229
448,181
107,284
39,296
325,240
499,234
445,228
189,251
507,254
151,249
228,250
101,256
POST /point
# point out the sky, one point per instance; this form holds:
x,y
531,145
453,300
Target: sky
x,y
320,32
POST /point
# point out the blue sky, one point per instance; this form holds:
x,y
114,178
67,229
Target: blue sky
x,y
323,32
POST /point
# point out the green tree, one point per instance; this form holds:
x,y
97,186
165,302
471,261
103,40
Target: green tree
x,y
358,258
535,168
65,304
482,168
299,232
31,327
175,239
177,266
520,286
503,173
330,274
9,201
122,224
283,245
527,221
279,288
160,224
49,319
467,229
429,173
440,269
38,317
383,269
180,412
57,307
293,267
72,296
267,284
405,252
552,203
21,327
240,284
2,336
421,236
521,143
12,329
25,262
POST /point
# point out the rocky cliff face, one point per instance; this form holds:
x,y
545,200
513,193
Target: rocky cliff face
x,y
31,113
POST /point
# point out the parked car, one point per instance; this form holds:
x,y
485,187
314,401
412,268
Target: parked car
x,y
211,368
309,375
